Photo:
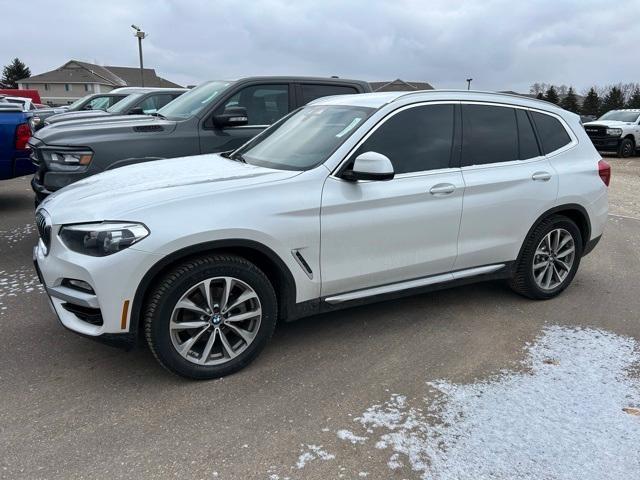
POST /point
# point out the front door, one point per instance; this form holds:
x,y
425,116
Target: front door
x,y
265,104
375,233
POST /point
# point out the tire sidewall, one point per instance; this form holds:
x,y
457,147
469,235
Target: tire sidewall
x,y
159,327
622,152
554,223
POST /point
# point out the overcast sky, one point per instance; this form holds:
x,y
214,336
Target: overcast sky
x,y
502,44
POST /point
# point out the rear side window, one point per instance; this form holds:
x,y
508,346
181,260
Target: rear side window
x,y
526,137
416,139
311,92
490,134
551,132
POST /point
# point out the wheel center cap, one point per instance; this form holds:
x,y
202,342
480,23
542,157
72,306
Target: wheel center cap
x,y
215,319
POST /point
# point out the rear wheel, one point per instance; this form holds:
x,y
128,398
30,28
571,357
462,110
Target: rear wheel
x,y
549,260
627,148
210,316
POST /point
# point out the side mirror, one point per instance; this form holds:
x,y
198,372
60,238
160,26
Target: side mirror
x,y
231,117
370,166
136,111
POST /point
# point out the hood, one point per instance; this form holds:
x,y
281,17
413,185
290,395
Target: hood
x,y
83,114
116,194
607,123
78,133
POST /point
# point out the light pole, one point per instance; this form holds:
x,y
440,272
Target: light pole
x,y
141,35
469,80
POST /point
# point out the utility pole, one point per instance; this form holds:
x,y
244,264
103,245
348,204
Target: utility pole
x,y
141,35
469,80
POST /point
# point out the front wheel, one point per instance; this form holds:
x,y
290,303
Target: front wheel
x,y
549,260
627,148
210,316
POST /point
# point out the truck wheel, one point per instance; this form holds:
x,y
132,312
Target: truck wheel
x,y
627,148
210,316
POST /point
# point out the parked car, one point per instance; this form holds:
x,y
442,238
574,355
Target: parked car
x,y
25,103
348,200
617,131
209,118
140,101
19,92
95,101
15,130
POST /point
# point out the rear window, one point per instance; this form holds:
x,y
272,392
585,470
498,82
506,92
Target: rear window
x,y
551,132
526,137
311,92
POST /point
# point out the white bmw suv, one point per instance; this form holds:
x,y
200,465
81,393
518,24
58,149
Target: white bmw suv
x,y
350,199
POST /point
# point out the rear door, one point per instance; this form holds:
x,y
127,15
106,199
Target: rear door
x,y
509,183
307,92
265,104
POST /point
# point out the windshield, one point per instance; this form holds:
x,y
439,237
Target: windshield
x,y
304,139
193,101
620,116
125,103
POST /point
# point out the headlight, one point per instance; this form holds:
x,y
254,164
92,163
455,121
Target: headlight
x,y
614,132
65,161
102,239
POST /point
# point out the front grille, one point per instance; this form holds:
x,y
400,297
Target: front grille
x,y
44,230
596,130
92,316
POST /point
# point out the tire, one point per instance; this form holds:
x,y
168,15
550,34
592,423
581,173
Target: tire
x,y
165,319
524,280
627,148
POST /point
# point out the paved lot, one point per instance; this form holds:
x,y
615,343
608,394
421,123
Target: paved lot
x,y
455,384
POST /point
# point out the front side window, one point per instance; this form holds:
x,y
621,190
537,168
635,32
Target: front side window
x,y
155,102
265,104
490,134
304,139
312,91
98,103
125,104
551,132
415,139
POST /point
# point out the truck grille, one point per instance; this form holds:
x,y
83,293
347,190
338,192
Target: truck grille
x,y
596,130
44,230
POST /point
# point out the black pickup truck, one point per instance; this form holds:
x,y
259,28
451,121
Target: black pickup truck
x,y
217,116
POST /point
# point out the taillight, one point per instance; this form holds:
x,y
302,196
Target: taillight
x,y
23,133
604,170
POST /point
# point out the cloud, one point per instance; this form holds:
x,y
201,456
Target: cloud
x,y
501,44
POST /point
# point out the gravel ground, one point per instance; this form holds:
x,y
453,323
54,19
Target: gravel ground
x,y
467,383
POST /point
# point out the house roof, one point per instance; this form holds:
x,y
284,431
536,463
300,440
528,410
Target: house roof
x,y
399,85
75,71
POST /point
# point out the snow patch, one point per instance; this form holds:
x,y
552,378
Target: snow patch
x,y
19,282
16,235
350,436
313,452
562,418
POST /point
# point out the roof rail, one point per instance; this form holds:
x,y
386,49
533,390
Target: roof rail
x,y
483,92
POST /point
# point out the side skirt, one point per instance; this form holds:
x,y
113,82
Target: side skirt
x,y
403,289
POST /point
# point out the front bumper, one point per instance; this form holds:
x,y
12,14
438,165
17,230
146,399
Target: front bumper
x,y
606,144
103,314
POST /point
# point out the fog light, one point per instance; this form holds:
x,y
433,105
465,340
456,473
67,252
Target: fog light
x,y
78,285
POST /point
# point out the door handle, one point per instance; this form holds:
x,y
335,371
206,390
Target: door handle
x,y
442,189
541,177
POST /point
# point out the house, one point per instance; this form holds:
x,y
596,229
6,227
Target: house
x,y
398,85
75,79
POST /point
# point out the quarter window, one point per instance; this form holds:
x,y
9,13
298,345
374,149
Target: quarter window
x,y
526,136
311,92
490,134
551,132
265,104
416,139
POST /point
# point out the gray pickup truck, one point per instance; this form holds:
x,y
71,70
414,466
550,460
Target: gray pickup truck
x,y
217,116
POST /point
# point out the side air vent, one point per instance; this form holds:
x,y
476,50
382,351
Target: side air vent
x,y
148,128
303,263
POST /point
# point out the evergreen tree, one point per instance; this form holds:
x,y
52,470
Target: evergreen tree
x,y
551,95
570,102
613,100
13,72
634,99
591,103
540,96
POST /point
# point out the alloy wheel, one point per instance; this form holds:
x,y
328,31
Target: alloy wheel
x,y
553,259
215,321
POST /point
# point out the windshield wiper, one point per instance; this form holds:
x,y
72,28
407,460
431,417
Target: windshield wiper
x,y
238,157
159,115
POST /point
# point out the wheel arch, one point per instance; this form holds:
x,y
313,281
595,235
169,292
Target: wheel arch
x,y
260,255
573,211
